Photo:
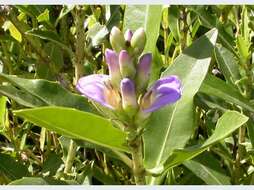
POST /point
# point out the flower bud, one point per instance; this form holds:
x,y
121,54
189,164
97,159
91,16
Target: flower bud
x,y
128,35
138,41
127,68
113,65
143,71
129,100
117,39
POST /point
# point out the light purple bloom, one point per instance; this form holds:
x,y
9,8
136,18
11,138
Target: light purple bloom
x,y
164,91
128,93
113,65
128,35
127,68
97,88
144,70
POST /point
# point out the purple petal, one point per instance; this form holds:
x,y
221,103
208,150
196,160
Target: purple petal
x,y
113,65
93,87
162,100
165,91
112,61
144,66
128,93
128,35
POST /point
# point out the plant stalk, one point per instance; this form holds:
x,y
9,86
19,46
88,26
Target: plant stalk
x,y
137,160
70,157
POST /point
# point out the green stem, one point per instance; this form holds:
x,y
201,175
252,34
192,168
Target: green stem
x,y
70,157
79,44
137,159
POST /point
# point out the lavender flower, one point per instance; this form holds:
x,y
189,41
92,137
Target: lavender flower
x,y
165,91
128,93
127,68
97,88
143,71
113,65
128,35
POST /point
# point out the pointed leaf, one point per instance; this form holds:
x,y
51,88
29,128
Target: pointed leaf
x,y
39,92
171,127
227,124
77,124
216,87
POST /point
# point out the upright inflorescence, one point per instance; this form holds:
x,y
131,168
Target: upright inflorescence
x,y
124,90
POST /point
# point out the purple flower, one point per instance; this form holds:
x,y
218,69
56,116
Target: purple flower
x,y
98,88
113,66
164,91
127,68
128,93
143,70
128,35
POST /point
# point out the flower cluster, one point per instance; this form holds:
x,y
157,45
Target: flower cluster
x,y
125,88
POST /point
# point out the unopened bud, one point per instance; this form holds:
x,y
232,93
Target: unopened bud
x,y
129,100
128,35
138,41
143,71
127,68
117,39
113,66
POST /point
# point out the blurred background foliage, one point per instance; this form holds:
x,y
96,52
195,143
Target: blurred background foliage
x,y
59,44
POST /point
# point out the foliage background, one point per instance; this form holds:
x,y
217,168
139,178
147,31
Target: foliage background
x,y
59,44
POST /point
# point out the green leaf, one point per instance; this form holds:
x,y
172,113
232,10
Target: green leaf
x,y
41,181
97,33
12,169
207,167
215,87
113,15
227,124
173,17
227,64
39,92
52,164
65,10
14,32
3,101
43,17
210,21
51,36
171,127
85,126
149,17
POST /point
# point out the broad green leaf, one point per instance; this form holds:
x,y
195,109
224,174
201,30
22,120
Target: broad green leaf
x,y
227,124
97,33
227,64
149,17
51,36
207,167
171,127
77,124
216,87
41,181
12,169
39,92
